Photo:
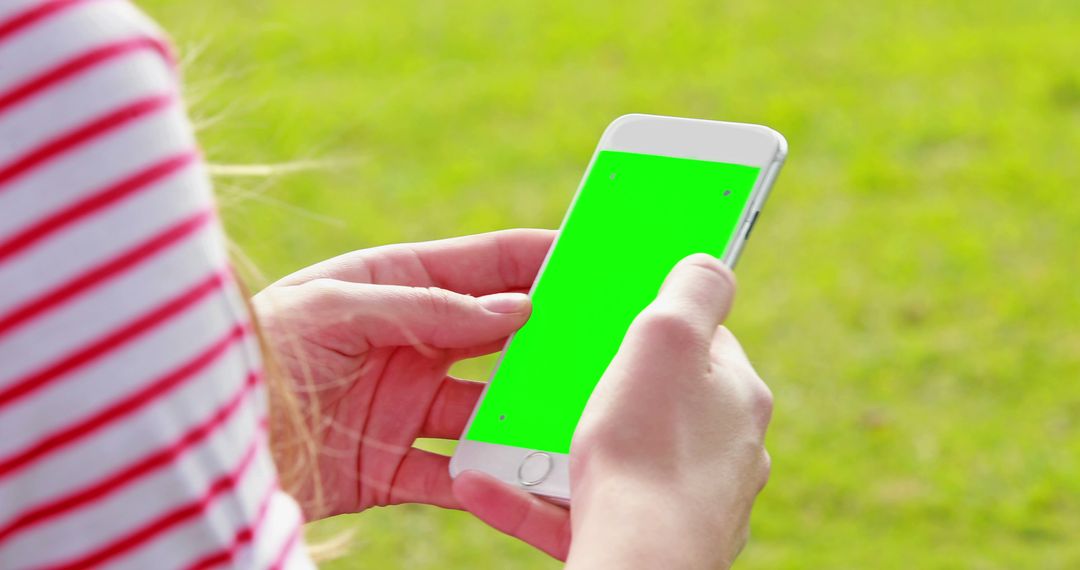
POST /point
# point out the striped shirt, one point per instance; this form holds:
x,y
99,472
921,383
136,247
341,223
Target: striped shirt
x,y
133,429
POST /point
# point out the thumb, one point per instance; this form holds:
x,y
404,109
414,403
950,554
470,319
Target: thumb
x,y
392,315
680,324
515,512
700,289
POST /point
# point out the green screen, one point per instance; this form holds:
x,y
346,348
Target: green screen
x,y
634,218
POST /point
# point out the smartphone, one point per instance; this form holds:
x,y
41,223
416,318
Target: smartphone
x,y
657,189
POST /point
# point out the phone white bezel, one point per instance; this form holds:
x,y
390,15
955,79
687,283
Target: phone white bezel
x,y
716,141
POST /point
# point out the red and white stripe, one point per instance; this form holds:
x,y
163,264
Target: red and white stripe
x,y
132,413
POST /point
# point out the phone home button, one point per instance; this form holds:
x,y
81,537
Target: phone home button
x,y
534,468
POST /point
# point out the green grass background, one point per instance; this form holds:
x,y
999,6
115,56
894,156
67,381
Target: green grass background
x,y
910,293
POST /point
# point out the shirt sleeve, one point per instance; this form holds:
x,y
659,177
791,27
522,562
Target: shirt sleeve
x,y
132,406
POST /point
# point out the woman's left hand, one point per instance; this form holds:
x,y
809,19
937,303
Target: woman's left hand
x,y
367,339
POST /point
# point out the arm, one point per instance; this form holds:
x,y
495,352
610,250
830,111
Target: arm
x,y
131,398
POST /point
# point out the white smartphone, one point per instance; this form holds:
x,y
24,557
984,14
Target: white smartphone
x,y
657,189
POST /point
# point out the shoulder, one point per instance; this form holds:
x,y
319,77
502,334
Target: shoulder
x,y
63,36
18,17
72,74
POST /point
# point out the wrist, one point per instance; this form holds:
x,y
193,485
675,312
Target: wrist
x,y
621,523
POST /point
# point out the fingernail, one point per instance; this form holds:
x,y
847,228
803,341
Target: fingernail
x,y
505,302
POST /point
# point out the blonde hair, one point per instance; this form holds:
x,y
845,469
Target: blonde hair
x,y
294,423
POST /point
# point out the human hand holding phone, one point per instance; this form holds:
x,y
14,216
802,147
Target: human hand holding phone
x,y
669,454
367,338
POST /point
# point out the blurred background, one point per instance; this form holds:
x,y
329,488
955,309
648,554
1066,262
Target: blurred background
x,y
911,293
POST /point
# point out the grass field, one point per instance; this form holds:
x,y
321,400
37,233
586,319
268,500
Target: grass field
x,y
911,293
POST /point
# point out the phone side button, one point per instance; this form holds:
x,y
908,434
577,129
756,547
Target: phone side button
x,y
534,469
750,226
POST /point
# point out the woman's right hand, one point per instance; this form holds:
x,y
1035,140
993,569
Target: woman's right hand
x,y
669,454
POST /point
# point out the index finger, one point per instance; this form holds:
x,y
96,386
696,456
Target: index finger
x,y
479,264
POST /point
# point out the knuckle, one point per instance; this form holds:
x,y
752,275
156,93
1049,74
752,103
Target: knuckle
x,y
310,295
668,326
318,289
764,469
440,302
752,392
761,402
444,309
320,284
